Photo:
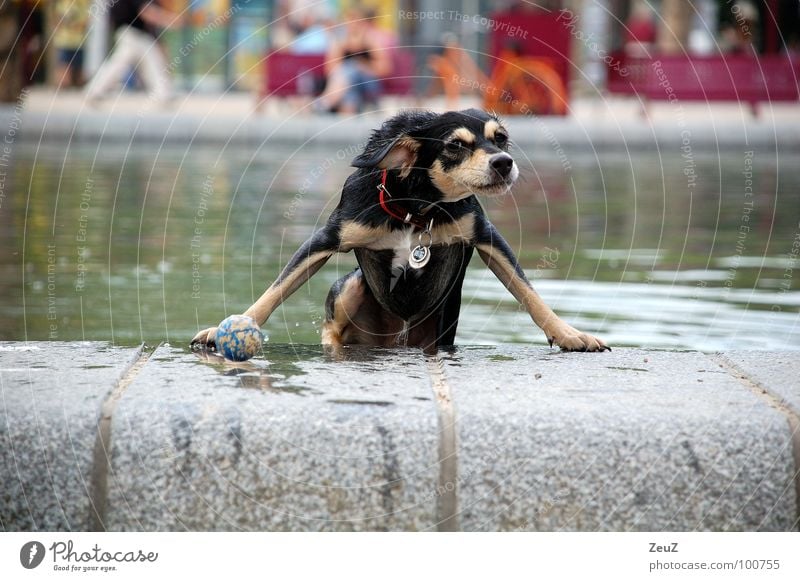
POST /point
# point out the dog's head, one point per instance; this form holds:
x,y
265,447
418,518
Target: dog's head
x,y
459,153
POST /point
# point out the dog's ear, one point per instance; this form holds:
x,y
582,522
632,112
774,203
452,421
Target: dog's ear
x,y
399,153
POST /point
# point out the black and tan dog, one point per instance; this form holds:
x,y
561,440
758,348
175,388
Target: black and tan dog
x,y
411,217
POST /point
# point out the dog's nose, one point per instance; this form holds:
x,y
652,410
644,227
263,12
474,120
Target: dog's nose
x,y
502,164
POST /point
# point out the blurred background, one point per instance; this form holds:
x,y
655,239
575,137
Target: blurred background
x,y
685,237
254,45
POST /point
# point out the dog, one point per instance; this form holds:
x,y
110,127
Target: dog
x,y
411,215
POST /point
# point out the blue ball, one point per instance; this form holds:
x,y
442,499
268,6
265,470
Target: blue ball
x,y
239,338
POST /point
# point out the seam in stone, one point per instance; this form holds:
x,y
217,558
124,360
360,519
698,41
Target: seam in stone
x,y
776,402
101,461
447,519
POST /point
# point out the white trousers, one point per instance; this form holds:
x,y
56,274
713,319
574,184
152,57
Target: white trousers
x,y
133,49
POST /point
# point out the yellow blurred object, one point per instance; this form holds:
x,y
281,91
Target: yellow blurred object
x,y
71,21
385,11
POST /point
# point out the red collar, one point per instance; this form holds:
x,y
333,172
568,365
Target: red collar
x,y
397,211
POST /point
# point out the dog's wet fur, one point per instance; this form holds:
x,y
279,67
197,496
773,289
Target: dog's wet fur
x,y
435,166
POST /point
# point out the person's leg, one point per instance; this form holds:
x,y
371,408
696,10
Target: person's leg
x,y
115,67
336,87
153,67
76,68
350,95
369,87
63,72
70,68
363,88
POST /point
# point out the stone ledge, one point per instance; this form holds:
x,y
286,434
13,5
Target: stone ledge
x,y
51,395
480,438
636,441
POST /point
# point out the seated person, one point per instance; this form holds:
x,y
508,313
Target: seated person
x,y
354,65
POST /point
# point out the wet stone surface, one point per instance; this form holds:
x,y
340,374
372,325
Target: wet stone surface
x,y
296,442
301,439
777,372
51,396
629,440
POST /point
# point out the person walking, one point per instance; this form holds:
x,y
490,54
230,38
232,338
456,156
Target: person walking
x,y
135,23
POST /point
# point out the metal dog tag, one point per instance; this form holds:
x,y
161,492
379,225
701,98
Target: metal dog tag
x,y
419,257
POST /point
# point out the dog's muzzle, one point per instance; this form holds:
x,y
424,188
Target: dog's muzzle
x,y
502,164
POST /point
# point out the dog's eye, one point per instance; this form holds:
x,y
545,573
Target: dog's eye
x,y
500,139
455,145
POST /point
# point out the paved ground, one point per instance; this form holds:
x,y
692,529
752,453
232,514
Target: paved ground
x,y
482,438
597,124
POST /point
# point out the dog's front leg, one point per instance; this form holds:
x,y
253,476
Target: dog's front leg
x,y
308,259
500,259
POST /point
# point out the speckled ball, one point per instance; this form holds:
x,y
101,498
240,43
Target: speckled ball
x,y
239,338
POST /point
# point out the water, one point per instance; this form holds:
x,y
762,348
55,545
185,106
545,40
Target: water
x,y
150,244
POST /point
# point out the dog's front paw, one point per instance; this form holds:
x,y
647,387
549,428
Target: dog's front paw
x,y
570,339
205,339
